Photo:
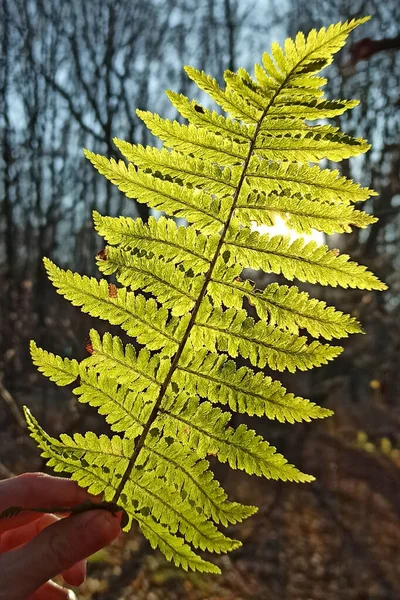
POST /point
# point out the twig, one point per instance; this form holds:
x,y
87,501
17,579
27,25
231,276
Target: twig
x,y
13,406
13,511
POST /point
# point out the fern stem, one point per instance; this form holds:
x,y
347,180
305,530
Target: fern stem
x,y
174,364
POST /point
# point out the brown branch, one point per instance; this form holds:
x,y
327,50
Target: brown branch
x,y
13,407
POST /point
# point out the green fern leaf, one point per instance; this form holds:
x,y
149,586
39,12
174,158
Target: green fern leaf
x,y
283,306
309,146
161,238
125,410
99,453
191,140
284,104
194,205
128,367
173,547
87,459
195,481
232,331
166,282
222,174
212,376
229,101
136,315
312,182
61,371
301,215
298,259
210,120
206,430
195,172
288,308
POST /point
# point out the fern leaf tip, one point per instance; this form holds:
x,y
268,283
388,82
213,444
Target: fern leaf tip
x,y
27,412
51,268
308,479
96,218
88,153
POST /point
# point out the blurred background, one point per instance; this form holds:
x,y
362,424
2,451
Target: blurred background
x,y
72,74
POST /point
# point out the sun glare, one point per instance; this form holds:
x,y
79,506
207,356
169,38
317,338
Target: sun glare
x,y
280,228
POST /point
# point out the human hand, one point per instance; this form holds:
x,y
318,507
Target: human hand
x,y
35,547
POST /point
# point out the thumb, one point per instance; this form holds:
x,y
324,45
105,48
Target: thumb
x,y
56,549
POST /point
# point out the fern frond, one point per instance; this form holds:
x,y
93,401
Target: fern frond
x,y
210,120
139,317
123,409
312,182
221,173
304,56
284,104
306,85
298,259
230,102
192,204
283,306
285,72
232,331
192,478
280,126
313,109
128,367
128,411
160,238
153,493
110,456
207,430
97,463
61,457
191,140
288,308
278,140
194,171
170,285
213,376
173,547
62,371
300,214
309,146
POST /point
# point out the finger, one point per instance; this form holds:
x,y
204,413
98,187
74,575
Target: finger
x,y
52,591
32,490
16,537
19,521
56,549
76,575
20,535
39,489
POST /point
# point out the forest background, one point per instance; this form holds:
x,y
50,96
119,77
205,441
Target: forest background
x,y
71,76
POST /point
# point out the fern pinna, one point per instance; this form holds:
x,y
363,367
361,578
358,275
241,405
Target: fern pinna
x,y
221,174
